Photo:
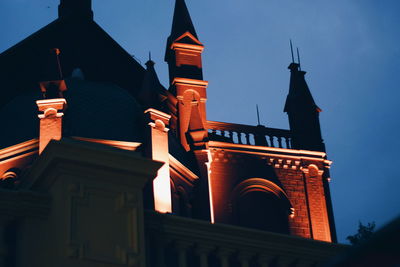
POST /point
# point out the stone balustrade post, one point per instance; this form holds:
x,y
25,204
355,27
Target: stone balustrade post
x,y
244,258
182,247
265,260
203,251
223,254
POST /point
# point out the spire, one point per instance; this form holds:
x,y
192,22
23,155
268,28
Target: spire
x,y
151,93
303,113
299,93
75,9
181,22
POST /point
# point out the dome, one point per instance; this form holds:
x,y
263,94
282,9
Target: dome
x,y
95,110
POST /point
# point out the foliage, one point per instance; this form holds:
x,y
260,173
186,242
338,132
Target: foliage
x,y
364,233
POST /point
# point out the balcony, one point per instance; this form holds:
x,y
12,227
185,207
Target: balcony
x,y
249,135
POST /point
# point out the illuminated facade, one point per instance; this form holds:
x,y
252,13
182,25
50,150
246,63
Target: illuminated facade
x,y
256,177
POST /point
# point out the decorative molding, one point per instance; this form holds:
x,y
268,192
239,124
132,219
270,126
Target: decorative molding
x,y
188,81
19,149
131,146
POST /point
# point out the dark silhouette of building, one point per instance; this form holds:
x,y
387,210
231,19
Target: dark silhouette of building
x,y
85,121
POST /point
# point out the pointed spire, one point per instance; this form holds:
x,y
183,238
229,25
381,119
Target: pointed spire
x,y
303,113
181,22
299,93
75,9
151,93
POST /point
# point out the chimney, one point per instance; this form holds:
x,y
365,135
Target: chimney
x,y
52,106
158,148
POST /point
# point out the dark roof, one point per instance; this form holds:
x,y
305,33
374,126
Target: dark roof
x,y
299,93
181,22
152,93
83,45
95,110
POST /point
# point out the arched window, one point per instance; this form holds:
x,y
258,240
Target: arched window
x,y
261,204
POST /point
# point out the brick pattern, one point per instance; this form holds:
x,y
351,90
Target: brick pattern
x,y
293,184
305,192
317,204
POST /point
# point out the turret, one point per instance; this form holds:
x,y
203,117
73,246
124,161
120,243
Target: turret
x,y
183,55
303,113
188,120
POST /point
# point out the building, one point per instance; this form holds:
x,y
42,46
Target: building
x,y
87,128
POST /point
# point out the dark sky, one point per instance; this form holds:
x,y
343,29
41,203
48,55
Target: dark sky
x,y
349,48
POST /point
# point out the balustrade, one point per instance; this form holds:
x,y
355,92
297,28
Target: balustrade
x,y
249,135
194,243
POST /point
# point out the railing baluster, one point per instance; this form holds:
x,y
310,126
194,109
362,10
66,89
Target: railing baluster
x,y
265,260
240,138
160,252
271,140
279,141
223,254
203,251
266,140
247,138
230,135
287,142
249,135
181,247
244,258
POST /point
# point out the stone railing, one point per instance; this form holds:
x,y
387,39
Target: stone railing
x,y
173,241
249,135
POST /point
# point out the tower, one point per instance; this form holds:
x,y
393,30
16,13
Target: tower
x,y
303,113
188,118
183,55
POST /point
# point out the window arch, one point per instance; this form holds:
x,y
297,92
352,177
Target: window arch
x,y
261,204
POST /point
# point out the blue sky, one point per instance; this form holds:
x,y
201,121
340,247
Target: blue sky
x,y
349,49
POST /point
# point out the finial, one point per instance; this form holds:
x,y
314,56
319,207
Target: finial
x,y
150,63
258,115
298,57
291,50
57,53
55,85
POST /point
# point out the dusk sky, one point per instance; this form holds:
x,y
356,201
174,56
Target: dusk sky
x,y
349,49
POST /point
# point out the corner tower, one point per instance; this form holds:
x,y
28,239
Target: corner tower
x,y
183,55
303,113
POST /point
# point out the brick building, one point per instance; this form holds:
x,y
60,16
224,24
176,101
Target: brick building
x,y
71,81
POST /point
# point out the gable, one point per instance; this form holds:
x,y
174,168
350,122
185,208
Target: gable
x,y
188,38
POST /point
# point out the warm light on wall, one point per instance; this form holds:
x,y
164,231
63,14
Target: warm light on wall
x,y
158,122
50,120
208,164
162,191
